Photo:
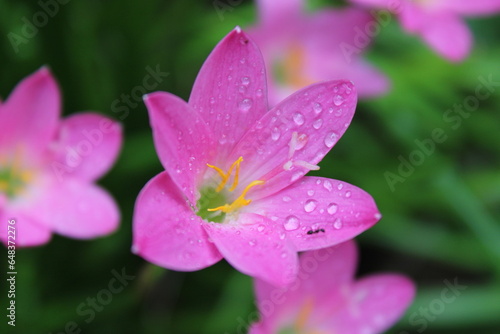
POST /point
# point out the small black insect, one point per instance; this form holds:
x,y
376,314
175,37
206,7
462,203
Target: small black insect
x,y
315,231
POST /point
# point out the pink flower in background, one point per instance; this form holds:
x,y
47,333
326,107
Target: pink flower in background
x,y
439,22
326,298
233,185
48,166
301,48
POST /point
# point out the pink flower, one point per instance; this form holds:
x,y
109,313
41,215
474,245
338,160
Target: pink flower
x,y
48,166
300,49
233,185
325,298
439,22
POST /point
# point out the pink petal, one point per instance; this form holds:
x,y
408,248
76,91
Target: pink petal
x,y
87,145
28,231
318,115
30,115
255,247
373,3
166,230
183,140
230,91
470,8
318,212
322,277
377,302
72,208
271,11
449,36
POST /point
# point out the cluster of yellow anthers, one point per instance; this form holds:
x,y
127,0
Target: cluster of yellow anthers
x,y
13,177
239,202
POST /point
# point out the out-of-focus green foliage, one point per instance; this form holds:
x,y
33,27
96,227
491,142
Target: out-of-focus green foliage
x,y
441,225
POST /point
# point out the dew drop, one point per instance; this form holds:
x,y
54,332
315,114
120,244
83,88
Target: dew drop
x,y
243,60
212,100
223,140
298,118
286,199
348,194
318,108
337,224
332,208
338,100
328,185
318,123
330,139
378,216
229,77
245,105
242,89
275,134
310,192
340,186
245,81
310,205
291,223
259,92
282,235
260,228
252,242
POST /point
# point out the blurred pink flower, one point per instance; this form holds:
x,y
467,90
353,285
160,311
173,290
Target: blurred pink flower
x,y
48,166
301,48
439,22
325,298
233,185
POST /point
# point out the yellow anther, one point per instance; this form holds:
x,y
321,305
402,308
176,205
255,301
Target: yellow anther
x,y
240,202
225,176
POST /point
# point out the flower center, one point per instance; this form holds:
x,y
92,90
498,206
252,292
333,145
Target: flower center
x,y
300,324
290,70
213,204
13,177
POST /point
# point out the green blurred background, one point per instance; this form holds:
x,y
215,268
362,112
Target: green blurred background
x,y
441,224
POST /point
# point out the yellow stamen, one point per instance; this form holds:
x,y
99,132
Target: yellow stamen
x,y
304,315
240,202
225,177
294,64
4,186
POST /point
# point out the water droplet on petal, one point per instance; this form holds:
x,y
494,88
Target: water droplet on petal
x,y
337,224
378,216
310,192
348,194
340,186
298,118
245,81
328,185
245,105
332,208
223,140
252,242
212,100
338,100
331,139
286,199
282,235
229,77
318,108
318,123
275,134
243,60
259,92
310,205
242,89
260,228
291,223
